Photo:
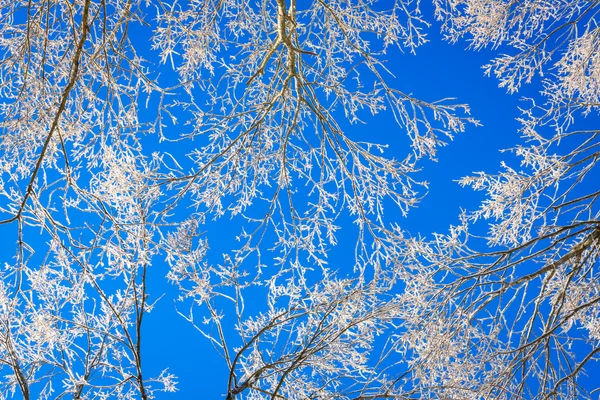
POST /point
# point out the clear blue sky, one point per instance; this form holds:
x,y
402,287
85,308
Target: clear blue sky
x,y
438,70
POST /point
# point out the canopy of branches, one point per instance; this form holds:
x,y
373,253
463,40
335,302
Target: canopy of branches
x,y
226,163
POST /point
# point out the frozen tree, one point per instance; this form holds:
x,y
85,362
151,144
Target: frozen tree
x,y
128,128
517,300
263,89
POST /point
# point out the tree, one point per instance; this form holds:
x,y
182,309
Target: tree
x,y
519,300
100,184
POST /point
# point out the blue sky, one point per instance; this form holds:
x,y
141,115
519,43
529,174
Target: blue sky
x,y
438,70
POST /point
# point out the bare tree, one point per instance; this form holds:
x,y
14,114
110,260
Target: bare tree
x,y
517,302
264,89
266,92
76,201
